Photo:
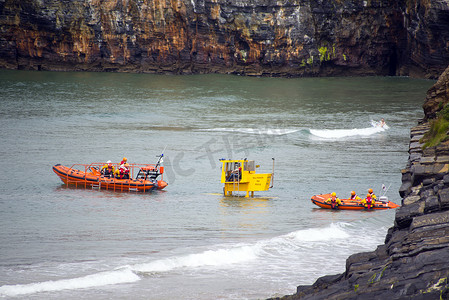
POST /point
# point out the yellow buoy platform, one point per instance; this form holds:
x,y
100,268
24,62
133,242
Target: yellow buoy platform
x,y
240,176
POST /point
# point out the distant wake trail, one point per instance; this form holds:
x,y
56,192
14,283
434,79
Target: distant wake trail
x,y
256,131
321,133
342,133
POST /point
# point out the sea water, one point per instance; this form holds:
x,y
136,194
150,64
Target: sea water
x,y
189,241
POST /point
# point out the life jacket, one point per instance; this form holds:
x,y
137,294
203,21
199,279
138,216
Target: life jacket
x,y
334,203
124,172
108,170
369,202
354,197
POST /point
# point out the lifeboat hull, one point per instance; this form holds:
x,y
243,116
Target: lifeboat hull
x,y
348,204
93,179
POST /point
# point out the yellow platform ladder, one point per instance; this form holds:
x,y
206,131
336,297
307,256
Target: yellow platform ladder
x,y
239,175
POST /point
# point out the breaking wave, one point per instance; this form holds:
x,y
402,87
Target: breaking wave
x,y
89,281
221,256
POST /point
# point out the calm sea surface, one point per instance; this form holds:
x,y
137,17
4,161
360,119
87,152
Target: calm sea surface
x,y
188,241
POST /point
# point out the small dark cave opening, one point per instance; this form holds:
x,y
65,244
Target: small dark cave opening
x,y
393,63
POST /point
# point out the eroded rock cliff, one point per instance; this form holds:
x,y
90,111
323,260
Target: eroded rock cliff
x,y
414,261
252,37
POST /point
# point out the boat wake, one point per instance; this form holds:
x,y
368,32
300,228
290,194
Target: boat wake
x,y
320,133
258,131
344,133
294,245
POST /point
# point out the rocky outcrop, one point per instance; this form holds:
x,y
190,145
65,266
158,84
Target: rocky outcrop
x,y
437,97
414,261
257,37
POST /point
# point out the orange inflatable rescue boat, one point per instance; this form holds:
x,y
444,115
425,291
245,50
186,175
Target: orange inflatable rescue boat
x,y
142,178
349,204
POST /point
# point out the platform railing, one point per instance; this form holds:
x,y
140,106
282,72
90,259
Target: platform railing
x,y
87,168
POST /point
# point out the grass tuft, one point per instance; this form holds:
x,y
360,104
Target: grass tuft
x,y
438,129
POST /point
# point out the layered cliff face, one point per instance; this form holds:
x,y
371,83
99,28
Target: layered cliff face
x,y
427,25
257,37
414,261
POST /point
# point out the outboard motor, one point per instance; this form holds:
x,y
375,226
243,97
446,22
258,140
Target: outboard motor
x,y
383,199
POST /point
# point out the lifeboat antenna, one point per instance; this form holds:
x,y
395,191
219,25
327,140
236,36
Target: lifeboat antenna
x,y
160,160
272,174
385,189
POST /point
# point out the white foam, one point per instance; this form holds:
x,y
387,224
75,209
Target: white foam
x,y
89,281
319,234
378,124
221,257
342,133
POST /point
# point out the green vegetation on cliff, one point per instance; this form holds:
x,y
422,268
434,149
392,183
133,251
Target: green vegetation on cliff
x,y
438,129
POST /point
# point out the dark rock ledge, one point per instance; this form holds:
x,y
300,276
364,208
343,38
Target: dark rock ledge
x,y
414,261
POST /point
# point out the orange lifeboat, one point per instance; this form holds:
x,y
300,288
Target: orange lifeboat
x,y
349,204
142,178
